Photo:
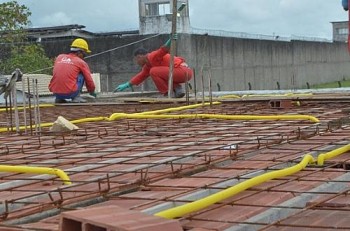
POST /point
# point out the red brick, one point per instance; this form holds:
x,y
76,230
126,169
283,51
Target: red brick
x,y
114,218
280,103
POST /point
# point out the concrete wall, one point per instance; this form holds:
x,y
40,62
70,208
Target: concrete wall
x,y
162,25
232,63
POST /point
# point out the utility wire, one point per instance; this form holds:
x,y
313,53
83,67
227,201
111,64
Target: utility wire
x,y
103,52
126,45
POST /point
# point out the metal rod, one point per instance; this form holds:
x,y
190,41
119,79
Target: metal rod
x,y
11,121
187,90
14,96
7,116
30,109
195,85
24,107
202,80
172,50
34,107
210,88
38,104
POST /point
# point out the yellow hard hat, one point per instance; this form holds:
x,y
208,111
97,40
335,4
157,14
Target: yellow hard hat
x,y
80,44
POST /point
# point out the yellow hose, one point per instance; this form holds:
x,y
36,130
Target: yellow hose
x,y
154,115
97,119
116,116
21,108
325,156
28,127
91,119
280,95
37,170
230,96
177,108
212,199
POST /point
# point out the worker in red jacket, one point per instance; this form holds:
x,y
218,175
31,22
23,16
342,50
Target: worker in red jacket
x,y
156,65
70,72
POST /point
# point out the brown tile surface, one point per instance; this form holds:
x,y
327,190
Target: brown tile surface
x,y
141,164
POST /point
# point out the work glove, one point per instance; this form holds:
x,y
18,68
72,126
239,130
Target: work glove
x,y
122,87
175,36
93,94
168,42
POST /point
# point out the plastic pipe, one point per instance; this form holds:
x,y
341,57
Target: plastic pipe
x,y
97,119
22,108
230,96
222,195
176,109
279,95
325,156
153,115
37,170
116,116
207,201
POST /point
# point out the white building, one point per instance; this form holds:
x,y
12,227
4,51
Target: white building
x,y
340,31
155,17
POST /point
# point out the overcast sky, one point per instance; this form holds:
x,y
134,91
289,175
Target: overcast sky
x,y
310,18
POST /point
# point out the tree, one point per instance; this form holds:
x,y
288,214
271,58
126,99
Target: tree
x,y
14,18
28,58
16,51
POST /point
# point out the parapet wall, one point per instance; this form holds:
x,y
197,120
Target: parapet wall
x,y
231,63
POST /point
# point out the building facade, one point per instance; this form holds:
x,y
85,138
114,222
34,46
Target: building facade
x,y
155,17
340,31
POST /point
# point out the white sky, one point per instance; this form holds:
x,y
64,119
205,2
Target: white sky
x,y
310,18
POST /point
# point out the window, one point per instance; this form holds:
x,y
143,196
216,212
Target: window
x,y
342,31
155,9
164,8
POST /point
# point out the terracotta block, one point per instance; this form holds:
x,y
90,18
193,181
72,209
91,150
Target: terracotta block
x,y
10,229
41,225
280,104
114,218
201,229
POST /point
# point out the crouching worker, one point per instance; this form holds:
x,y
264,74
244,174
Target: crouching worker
x,y
70,72
156,64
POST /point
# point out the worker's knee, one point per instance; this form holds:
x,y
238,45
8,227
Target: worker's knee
x,y
153,72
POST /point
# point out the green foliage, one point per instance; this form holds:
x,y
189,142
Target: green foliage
x,y
13,19
15,51
336,84
29,58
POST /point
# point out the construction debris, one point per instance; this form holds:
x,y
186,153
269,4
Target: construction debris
x,y
63,125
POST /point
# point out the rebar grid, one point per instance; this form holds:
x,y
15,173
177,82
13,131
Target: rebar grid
x,y
107,158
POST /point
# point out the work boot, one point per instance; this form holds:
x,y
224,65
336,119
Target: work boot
x,y
78,99
60,101
179,92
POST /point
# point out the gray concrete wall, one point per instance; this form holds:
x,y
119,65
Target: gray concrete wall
x,y
240,64
232,63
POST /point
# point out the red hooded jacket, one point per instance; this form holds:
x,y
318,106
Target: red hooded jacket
x,y
66,69
160,57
